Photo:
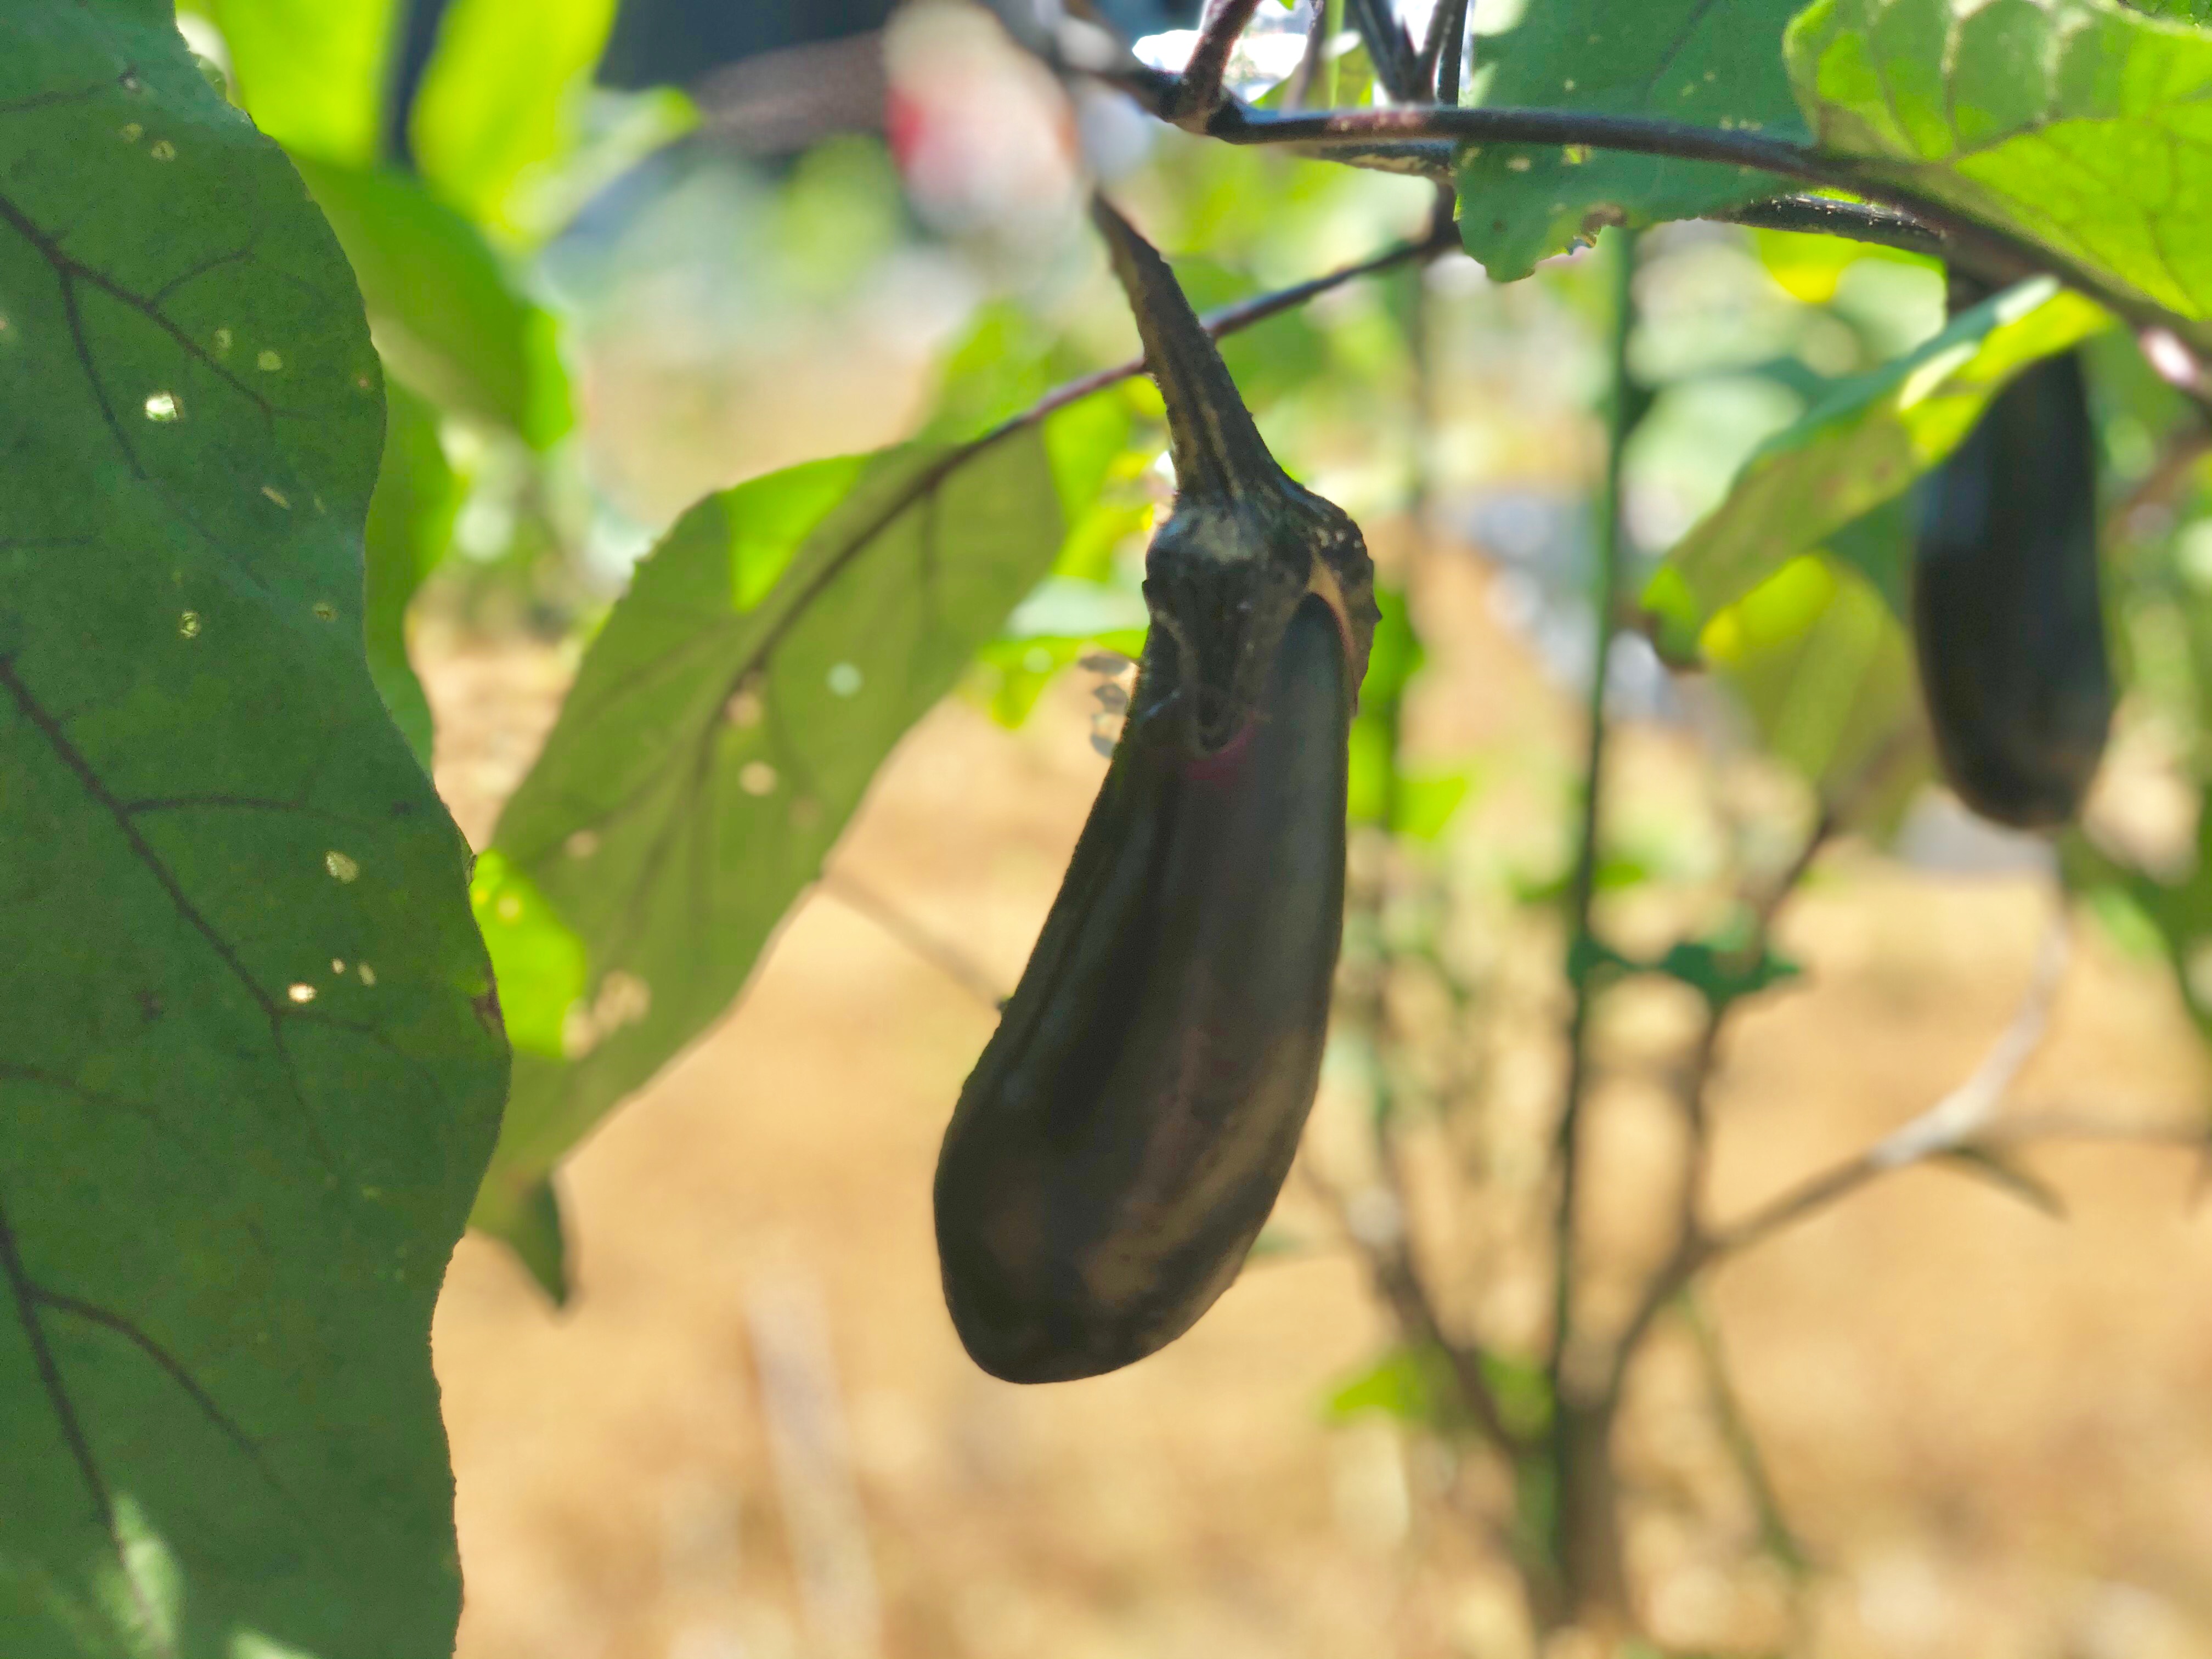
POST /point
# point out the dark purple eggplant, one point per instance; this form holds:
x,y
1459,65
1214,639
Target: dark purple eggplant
x,y
2006,616
1130,1123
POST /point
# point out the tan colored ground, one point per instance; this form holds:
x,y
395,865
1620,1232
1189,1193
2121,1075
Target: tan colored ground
x,y
1994,1430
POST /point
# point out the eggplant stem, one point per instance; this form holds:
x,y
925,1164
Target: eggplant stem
x,y
1216,449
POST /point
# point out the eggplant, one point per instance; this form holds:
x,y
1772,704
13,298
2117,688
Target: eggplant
x,y
2008,621
1131,1121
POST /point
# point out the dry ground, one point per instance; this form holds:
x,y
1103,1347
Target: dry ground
x,y
754,1435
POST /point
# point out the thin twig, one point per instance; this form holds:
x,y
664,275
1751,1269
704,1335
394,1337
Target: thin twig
x,y
1197,91
1581,886
1961,1120
1445,49
931,946
1398,1280
1429,139
1391,51
1776,1536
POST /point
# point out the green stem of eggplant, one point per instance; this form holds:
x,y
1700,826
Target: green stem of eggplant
x,y
1618,250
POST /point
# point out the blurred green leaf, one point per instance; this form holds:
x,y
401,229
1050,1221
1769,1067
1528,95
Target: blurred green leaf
x,y
499,100
310,72
2178,908
410,524
1824,669
1717,971
2075,124
1863,445
447,318
1715,63
712,749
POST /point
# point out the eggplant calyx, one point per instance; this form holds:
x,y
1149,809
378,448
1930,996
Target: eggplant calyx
x,y
1244,545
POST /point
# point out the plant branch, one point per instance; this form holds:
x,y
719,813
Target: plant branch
x,y
930,945
1962,1122
1443,52
1776,1536
1427,138
1192,96
1826,216
1582,884
1391,51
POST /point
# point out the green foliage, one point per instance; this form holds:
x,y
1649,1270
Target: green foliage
x,y
2074,122
771,650
1863,445
448,319
411,521
312,71
1713,62
252,1059
499,100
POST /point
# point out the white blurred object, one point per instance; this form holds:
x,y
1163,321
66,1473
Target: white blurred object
x,y
983,136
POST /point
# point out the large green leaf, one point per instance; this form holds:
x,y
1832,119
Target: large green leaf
x,y
2076,123
410,523
448,319
1865,444
1716,63
498,99
250,1057
771,651
312,71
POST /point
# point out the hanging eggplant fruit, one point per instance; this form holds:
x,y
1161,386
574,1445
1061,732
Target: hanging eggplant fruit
x,y
2006,612
1129,1125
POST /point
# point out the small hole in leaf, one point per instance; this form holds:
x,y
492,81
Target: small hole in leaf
x,y
744,707
300,992
845,680
325,611
132,133
162,406
757,778
276,495
267,361
366,973
340,867
162,150
189,624
338,964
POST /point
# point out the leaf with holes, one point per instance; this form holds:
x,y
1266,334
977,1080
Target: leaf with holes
x,y
246,1093
771,651
2076,123
1716,63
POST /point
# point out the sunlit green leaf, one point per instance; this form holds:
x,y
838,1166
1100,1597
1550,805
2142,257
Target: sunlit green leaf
x,y
1716,63
250,1059
1823,667
499,100
2075,123
715,743
312,72
1860,447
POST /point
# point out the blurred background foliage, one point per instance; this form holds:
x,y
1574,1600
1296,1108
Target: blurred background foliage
x,y
622,260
